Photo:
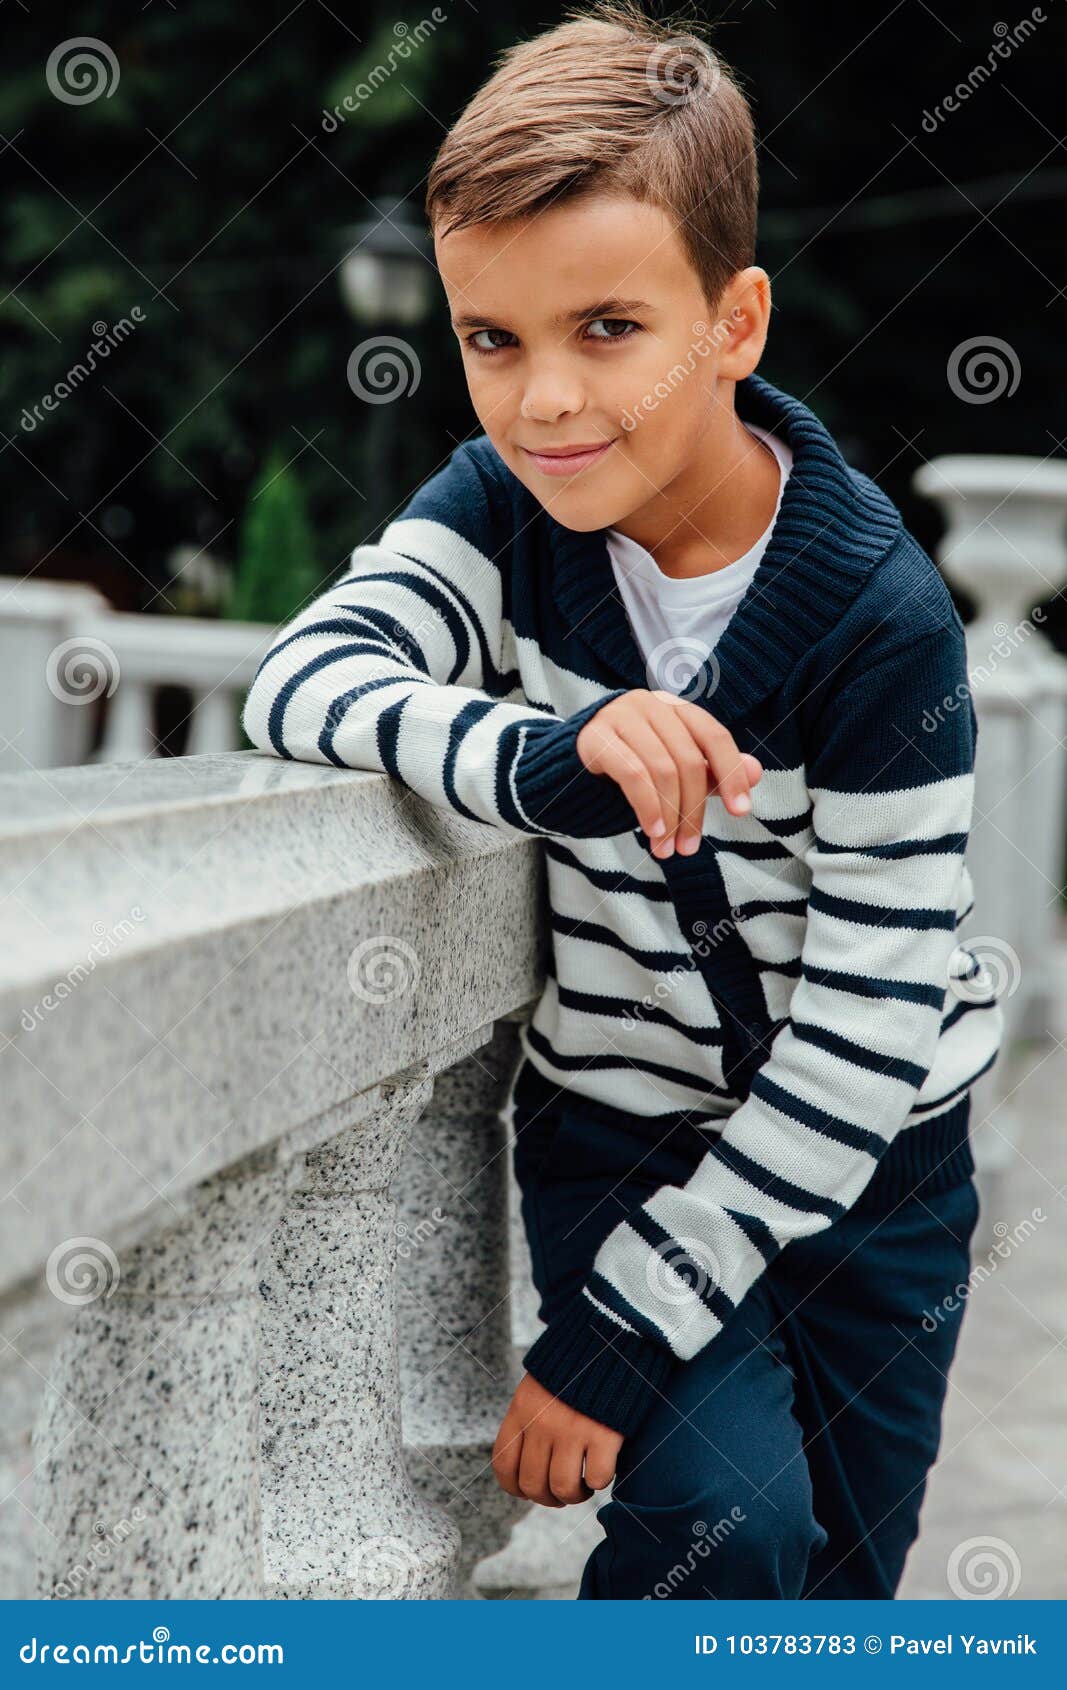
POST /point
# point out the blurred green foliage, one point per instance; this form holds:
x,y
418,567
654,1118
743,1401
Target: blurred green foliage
x,y
277,570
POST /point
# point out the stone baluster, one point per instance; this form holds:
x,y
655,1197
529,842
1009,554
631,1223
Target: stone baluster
x,y
147,1442
213,722
52,675
128,731
1004,545
341,1517
548,1547
457,1367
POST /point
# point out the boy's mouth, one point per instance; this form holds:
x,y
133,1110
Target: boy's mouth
x,y
566,460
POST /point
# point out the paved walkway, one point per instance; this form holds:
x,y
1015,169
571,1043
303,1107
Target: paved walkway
x,y
1002,1470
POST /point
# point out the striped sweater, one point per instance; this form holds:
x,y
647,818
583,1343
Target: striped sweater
x,y
797,988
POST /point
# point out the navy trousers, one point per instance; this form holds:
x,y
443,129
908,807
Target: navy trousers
x,y
789,1457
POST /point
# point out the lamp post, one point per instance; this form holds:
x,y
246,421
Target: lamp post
x,y
386,273
386,277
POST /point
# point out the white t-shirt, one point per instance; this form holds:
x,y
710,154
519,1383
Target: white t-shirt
x,y
676,623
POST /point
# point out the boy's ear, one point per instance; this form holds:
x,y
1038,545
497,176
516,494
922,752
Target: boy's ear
x,y
742,320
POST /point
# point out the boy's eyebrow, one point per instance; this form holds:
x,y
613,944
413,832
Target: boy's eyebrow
x,y
613,307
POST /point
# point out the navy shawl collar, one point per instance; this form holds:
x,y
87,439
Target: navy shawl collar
x,y
833,527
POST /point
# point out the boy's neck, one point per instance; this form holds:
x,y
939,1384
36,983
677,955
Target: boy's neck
x,y
716,509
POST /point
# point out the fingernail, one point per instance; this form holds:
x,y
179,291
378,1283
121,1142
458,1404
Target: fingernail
x,y
658,828
743,801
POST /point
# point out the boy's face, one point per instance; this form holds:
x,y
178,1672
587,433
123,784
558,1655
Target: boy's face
x,y
586,326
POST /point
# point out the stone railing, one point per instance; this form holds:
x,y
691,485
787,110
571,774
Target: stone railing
x,y
242,1000
1005,544
62,648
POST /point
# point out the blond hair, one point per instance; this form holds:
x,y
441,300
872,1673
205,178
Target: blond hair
x,y
611,101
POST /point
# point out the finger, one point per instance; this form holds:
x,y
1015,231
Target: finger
x,y
752,764
730,774
693,775
507,1454
600,1460
533,1470
565,1473
643,738
626,769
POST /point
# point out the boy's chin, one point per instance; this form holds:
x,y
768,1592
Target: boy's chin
x,y
584,514
585,525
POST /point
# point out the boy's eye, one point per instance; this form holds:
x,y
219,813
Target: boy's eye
x,y
472,340
619,323
616,322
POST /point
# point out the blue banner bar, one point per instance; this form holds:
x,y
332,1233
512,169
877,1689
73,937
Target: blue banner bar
x,y
511,1645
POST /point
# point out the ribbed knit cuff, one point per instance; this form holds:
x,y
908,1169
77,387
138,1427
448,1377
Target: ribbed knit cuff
x,y
590,1363
923,1159
556,790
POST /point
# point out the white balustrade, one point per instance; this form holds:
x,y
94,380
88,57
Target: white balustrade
x,y
1005,545
62,649
215,660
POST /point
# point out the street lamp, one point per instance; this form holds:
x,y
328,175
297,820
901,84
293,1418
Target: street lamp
x,y
386,278
387,271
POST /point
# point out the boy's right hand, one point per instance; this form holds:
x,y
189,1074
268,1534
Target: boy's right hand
x,y
668,755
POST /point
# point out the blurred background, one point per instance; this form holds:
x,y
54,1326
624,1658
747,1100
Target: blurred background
x,y
197,166
212,224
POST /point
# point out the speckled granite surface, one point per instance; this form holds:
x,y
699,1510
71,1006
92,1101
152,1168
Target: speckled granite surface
x,y
150,1415
230,986
205,952
458,1368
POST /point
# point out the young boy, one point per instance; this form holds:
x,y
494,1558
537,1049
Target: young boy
x,y
651,615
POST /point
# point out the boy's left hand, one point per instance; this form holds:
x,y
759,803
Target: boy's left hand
x,y
542,1443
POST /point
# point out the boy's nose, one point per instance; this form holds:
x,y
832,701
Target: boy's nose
x,y
549,398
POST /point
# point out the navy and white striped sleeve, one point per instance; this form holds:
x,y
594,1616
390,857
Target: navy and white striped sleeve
x,y
891,784
396,668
